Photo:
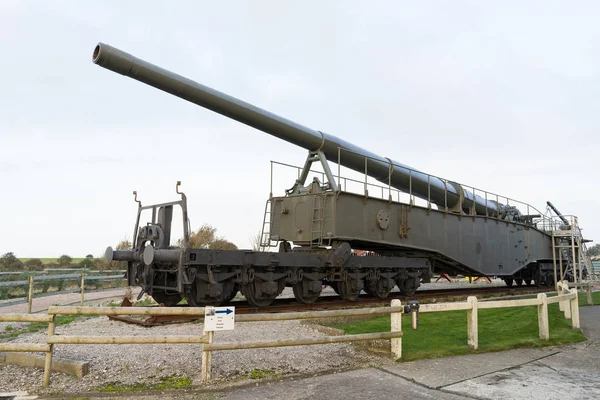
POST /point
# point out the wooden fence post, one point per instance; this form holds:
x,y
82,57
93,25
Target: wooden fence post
x,y
575,310
567,305
82,289
560,292
48,363
472,323
588,290
543,317
396,322
207,358
30,295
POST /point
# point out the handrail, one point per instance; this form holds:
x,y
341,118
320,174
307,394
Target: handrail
x,y
544,222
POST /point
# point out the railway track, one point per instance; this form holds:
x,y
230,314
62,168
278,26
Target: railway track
x,y
335,302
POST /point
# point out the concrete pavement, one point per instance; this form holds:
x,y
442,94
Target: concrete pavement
x,y
560,372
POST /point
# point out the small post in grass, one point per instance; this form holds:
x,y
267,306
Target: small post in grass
x,y
207,357
567,305
82,289
30,295
396,322
588,290
543,317
472,323
575,310
560,292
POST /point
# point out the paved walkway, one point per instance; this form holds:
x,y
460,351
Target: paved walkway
x,y
42,303
561,373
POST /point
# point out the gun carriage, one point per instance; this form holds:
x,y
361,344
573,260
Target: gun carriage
x,y
317,226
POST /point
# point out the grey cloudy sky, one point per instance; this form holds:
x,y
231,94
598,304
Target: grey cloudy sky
x,y
500,96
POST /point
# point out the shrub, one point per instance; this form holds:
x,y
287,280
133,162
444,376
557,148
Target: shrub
x,y
34,264
9,262
87,263
64,261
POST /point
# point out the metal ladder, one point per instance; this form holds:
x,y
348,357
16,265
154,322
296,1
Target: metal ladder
x,y
265,233
586,261
318,221
568,251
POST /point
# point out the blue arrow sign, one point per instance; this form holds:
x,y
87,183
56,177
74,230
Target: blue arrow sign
x,y
228,311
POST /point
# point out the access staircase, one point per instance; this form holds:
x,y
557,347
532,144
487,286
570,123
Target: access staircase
x,y
570,256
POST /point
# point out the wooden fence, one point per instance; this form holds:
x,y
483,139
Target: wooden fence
x,y
395,334
587,286
567,299
33,347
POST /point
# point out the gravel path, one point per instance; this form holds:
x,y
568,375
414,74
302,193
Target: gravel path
x,y
129,364
42,303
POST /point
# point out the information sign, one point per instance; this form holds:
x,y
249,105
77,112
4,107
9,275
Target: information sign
x,y
219,318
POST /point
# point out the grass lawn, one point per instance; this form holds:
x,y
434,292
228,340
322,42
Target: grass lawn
x,y
583,298
10,332
443,334
52,260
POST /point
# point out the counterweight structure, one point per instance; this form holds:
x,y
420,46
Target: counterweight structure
x,y
318,226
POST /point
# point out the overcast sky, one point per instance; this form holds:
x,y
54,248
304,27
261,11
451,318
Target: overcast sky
x,y
500,96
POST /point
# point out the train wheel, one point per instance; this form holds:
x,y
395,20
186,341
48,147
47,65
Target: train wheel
x,y
349,289
306,291
201,293
261,293
379,288
528,282
168,299
519,282
233,293
508,281
408,287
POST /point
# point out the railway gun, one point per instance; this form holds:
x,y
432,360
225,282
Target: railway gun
x,y
318,230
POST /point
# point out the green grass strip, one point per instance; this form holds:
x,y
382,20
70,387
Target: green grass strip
x,y
11,332
583,298
443,334
169,382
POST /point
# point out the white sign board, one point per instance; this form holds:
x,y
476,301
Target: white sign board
x,y
219,318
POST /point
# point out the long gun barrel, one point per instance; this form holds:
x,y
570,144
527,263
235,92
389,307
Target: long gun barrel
x,y
397,175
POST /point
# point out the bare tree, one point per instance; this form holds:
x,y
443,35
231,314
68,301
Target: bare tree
x,y
255,241
124,245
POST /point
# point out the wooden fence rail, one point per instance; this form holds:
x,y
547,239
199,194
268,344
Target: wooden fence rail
x,y
395,335
588,285
57,310
30,347
567,299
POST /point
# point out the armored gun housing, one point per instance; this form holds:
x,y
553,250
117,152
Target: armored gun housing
x,y
318,226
